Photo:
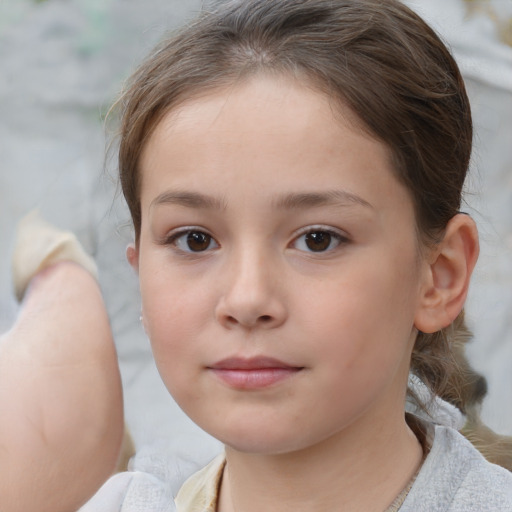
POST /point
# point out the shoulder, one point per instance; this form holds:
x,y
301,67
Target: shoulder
x,y
484,486
200,492
156,474
455,477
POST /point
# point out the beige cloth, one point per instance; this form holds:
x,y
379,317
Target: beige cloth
x,y
201,491
39,245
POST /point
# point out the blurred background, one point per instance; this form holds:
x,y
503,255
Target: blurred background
x,y
62,64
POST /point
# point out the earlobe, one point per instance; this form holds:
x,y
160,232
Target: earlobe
x,y
448,275
132,255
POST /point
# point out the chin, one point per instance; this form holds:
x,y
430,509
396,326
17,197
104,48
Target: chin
x,y
262,441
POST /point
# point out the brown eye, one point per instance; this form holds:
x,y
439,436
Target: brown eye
x,y
198,241
192,241
318,241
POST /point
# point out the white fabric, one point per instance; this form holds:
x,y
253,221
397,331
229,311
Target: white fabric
x,y
456,478
156,474
132,492
438,411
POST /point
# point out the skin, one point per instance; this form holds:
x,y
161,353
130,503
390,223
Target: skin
x,y
254,168
60,395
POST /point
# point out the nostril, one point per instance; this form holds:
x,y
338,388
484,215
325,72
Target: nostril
x,y
231,320
250,321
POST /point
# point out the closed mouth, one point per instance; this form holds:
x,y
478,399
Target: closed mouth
x,y
253,373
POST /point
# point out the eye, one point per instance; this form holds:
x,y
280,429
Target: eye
x,y
318,240
192,241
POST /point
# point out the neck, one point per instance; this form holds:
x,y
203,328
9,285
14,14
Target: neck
x,y
362,468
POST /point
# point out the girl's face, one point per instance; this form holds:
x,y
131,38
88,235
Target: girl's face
x,y
279,268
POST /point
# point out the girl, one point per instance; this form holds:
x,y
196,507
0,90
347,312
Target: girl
x,y
294,173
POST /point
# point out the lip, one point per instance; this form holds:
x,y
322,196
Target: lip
x,y
253,373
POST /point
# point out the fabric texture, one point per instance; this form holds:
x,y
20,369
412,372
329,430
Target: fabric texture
x,y
453,478
154,478
200,492
435,409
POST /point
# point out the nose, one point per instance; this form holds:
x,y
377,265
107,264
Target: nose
x,y
253,294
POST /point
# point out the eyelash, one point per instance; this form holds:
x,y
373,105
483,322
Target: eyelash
x,y
332,234
174,238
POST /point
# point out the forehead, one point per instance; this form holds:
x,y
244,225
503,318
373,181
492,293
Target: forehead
x,y
264,133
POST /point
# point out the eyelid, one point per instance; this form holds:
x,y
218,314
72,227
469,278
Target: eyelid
x,y
171,237
321,227
339,234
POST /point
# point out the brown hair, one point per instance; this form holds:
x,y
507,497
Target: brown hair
x,y
376,57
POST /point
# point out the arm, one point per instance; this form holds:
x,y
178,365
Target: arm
x,y
61,413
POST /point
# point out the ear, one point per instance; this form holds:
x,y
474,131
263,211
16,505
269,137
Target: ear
x,y
132,255
447,277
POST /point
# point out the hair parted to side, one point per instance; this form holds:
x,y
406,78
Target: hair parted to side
x,y
375,56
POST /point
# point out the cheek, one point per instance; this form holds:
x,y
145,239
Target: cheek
x,y
176,315
171,327
365,316
164,309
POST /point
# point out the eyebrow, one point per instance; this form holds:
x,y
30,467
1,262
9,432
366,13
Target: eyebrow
x,y
189,199
316,199
293,201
